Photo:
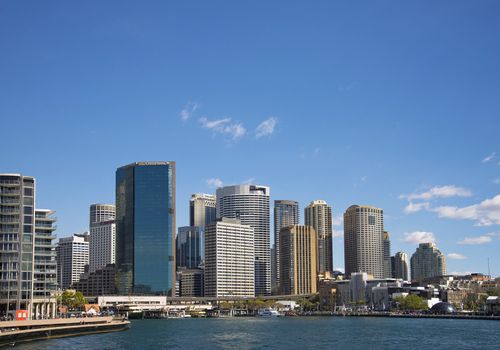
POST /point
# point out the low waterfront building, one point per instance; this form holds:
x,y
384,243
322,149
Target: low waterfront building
x,y
99,282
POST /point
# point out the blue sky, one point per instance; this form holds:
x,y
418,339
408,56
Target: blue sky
x,y
388,103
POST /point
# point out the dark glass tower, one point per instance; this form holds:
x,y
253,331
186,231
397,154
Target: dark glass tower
x,y
145,228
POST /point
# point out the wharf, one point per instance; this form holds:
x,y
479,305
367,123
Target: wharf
x,y
13,332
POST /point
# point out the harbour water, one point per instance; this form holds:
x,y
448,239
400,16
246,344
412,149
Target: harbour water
x,y
290,333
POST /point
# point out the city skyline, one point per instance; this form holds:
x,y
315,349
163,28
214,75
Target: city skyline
x,y
405,119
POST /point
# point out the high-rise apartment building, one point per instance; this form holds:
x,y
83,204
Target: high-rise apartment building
x,y
400,266
318,215
202,209
250,204
426,262
298,249
387,255
72,259
145,228
363,240
286,213
190,250
27,265
229,259
101,212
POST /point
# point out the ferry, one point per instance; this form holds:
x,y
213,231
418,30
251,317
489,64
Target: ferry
x,y
268,312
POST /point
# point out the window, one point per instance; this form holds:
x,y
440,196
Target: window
x,y
371,220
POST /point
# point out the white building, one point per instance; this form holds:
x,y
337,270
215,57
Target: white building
x,y
250,204
72,257
101,212
229,259
102,245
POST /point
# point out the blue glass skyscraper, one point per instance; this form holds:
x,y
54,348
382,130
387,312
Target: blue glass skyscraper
x,y
145,228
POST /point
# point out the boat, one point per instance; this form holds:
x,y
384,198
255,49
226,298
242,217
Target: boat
x,y
268,312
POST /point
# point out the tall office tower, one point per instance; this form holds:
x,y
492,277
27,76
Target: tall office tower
x,y
202,209
250,204
100,213
427,261
298,260
145,228
17,231
72,259
363,240
45,267
102,244
318,214
190,251
286,213
387,255
229,259
400,266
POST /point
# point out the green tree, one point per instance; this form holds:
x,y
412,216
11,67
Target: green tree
x,y
411,302
72,299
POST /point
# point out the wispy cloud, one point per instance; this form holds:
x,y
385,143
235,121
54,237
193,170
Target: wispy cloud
x,y
456,256
338,233
489,158
250,180
496,181
475,240
364,178
338,220
224,126
486,213
188,110
215,182
416,207
417,237
439,192
266,127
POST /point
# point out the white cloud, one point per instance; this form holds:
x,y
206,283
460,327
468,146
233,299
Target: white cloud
x,y
419,237
188,110
496,181
364,178
338,234
250,180
338,220
456,256
215,182
475,240
224,126
486,213
341,269
460,273
489,158
416,207
439,192
266,127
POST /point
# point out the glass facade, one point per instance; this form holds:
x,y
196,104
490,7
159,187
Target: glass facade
x,y
145,219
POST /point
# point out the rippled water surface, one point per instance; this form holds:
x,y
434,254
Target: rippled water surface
x,y
290,333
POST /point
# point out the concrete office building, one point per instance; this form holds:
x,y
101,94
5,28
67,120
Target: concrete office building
x,y
400,266
426,262
102,244
190,250
298,249
363,240
387,255
250,204
72,259
318,215
145,228
286,213
229,259
27,267
100,282
202,209
100,213
191,282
